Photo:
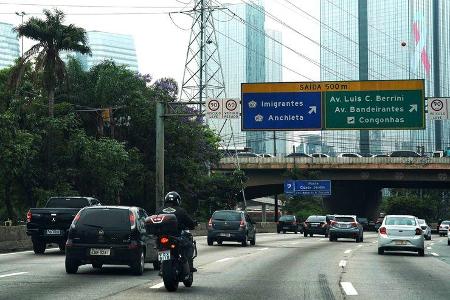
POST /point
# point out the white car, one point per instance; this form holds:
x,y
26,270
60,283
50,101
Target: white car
x,y
443,228
400,233
349,155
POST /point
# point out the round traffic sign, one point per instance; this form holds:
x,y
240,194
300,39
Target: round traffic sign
x,y
213,105
231,105
437,105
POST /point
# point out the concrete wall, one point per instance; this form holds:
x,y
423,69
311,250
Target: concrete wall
x,y
14,238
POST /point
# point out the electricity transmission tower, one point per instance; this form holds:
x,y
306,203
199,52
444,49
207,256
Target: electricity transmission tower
x,y
203,76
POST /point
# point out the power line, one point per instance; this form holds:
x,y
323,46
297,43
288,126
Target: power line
x,y
92,6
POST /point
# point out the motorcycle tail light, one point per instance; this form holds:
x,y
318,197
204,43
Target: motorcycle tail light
x,y
164,240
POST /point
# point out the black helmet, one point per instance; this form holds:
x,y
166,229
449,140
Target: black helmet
x,y
172,197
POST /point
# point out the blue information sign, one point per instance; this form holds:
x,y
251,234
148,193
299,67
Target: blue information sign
x,y
308,187
281,111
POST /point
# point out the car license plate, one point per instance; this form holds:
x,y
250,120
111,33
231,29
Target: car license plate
x,y
225,234
95,251
163,255
401,242
53,232
314,225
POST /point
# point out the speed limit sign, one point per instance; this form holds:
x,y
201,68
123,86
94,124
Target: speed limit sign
x,y
228,108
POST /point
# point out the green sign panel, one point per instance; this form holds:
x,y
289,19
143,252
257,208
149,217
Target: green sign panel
x,y
379,109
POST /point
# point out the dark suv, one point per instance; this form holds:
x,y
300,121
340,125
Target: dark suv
x,y
288,223
113,235
231,225
315,225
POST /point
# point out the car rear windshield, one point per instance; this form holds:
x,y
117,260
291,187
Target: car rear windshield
x,y
67,203
421,221
400,221
316,219
287,218
227,216
106,218
344,219
446,222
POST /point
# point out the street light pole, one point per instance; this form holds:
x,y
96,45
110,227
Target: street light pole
x,y
21,14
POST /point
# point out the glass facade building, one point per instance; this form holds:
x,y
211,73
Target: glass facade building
x,y
401,45
119,48
9,45
248,53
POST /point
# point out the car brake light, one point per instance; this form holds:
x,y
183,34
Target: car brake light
x,y
132,220
75,220
163,240
242,225
383,230
354,224
418,231
29,215
333,223
210,223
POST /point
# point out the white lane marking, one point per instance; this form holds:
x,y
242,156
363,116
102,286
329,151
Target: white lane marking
x,y
434,254
429,248
157,286
342,263
13,274
224,259
294,243
349,289
359,245
431,244
323,239
347,251
374,242
262,249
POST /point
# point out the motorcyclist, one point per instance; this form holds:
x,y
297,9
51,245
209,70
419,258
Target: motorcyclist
x,y
172,203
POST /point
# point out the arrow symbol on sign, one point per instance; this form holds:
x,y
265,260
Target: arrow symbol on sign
x,y
313,109
413,107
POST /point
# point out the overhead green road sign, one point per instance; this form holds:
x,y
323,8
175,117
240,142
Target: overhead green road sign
x,y
390,104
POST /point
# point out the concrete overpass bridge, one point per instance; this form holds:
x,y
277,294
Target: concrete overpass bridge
x,y
356,182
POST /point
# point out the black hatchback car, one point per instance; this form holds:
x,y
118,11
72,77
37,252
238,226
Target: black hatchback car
x,y
231,225
110,235
288,223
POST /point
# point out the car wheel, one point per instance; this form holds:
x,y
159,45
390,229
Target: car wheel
x,y
219,242
278,231
331,238
71,266
310,234
62,246
380,251
305,234
137,267
296,232
326,235
358,239
253,241
284,231
210,242
39,247
97,265
362,239
448,243
421,252
156,265
244,242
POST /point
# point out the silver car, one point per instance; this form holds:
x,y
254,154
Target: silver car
x,y
448,237
426,229
345,226
400,233
443,228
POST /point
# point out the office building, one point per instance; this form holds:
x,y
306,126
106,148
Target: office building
x,y
248,53
9,45
119,48
401,44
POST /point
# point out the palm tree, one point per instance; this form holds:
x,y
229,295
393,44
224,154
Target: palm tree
x,y
52,37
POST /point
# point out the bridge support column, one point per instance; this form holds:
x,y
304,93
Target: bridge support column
x,y
276,209
264,215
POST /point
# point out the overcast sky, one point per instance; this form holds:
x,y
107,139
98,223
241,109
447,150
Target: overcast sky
x,y
162,39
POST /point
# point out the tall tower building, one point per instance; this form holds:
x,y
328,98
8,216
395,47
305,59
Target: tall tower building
x,y
9,45
406,39
248,53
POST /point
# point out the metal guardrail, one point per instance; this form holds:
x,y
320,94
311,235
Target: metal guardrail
x,y
338,160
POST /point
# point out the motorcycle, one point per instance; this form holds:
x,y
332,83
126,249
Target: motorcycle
x,y
174,266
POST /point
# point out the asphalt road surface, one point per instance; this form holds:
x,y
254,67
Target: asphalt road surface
x,y
280,266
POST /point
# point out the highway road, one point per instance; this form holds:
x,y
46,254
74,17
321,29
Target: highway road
x,y
279,267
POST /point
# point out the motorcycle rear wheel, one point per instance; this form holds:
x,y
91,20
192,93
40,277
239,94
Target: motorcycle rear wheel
x,y
169,275
188,282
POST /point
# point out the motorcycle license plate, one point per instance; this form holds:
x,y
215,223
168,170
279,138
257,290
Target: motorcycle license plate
x,y
53,232
163,255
